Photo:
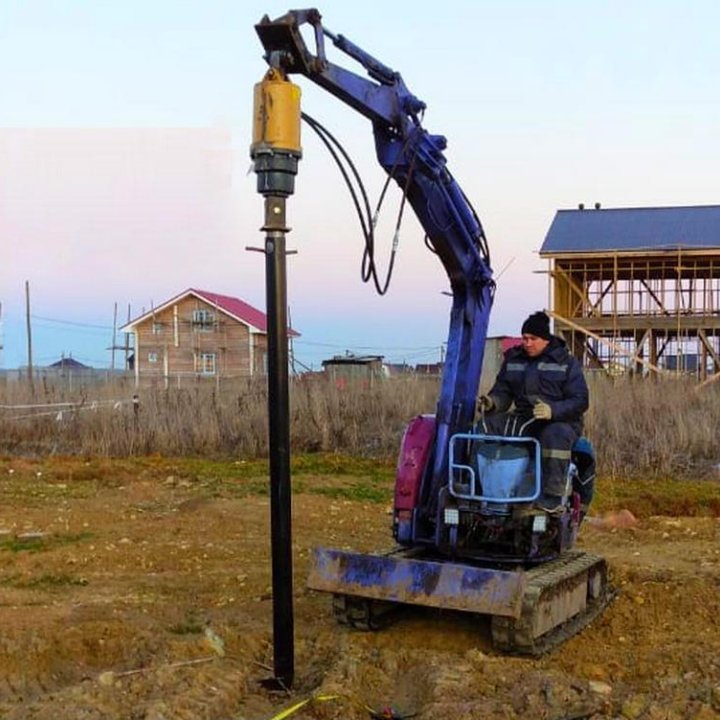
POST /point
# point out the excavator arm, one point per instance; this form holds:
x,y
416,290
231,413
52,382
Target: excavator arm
x,y
414,159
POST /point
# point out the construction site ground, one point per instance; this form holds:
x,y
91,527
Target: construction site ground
x,y
142,589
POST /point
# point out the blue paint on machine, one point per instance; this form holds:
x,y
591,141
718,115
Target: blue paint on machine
x,y
403,579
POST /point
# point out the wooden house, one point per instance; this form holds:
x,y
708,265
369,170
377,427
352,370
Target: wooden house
x,y
199,334
638,288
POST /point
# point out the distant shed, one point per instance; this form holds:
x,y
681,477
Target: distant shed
x,y
637,288
344,368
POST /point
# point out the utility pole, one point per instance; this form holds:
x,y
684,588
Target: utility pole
x,y
112,353
127,342
29,338
290,344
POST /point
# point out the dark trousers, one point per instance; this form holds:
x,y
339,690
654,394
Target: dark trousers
x,y
556,440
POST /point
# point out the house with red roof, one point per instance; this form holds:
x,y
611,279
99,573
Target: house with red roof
x,y
199,334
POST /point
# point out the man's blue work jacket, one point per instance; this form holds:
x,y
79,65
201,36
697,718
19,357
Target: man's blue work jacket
x,y
554,376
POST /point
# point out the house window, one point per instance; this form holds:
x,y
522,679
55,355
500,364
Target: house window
x,y
152,357
157,328
203,320
205,363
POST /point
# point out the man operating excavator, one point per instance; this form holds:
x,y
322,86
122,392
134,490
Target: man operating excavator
x,y
539,392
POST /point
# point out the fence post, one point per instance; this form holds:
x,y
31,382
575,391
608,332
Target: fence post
x,y
136,409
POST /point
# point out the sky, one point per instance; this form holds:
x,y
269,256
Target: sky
x,y
124,165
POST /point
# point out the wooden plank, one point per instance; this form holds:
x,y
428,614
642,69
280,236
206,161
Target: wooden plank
x,y
617,348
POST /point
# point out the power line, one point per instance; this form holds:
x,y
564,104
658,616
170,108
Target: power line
x,y
72,322
300,341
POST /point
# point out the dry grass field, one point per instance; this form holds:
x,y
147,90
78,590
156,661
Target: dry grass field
x,y
641,428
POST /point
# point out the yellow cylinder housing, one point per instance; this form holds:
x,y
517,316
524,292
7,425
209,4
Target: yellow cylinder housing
x,y
276,115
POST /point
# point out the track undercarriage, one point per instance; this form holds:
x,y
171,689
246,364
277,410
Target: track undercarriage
x,y
532,610
560,599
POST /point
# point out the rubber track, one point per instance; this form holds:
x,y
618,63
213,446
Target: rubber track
x,y
362,613
515,636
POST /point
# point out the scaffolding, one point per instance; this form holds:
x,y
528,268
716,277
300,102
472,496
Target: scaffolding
x,y
639,311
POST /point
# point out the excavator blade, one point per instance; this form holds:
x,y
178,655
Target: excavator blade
x,y
403,579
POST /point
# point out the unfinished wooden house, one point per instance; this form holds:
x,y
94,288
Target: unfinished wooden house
x,y
637,289
199,334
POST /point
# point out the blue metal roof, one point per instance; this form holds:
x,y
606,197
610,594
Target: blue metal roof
x,y
652,228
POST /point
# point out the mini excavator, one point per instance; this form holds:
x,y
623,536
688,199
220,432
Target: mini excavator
x,y
468,535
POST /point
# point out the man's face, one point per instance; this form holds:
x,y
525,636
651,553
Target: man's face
x,y
534,345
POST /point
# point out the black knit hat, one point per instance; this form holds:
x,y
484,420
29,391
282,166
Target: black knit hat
x,y
538,324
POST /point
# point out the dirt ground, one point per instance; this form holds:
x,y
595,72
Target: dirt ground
x,y
147,598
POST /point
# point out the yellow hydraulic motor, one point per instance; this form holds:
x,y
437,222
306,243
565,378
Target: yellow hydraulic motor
x,y
275,148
